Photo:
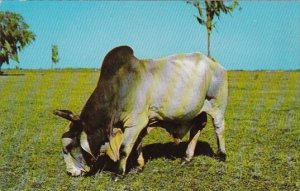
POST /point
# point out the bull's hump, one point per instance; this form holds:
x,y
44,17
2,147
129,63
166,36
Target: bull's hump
x,y
116,59
121,50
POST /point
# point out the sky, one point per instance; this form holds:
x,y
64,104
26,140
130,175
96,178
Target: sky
x,y
263,35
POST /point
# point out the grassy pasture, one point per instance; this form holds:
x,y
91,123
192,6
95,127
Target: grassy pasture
x,y
262,137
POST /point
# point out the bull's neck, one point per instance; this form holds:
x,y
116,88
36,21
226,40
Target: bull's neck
x,y
97,112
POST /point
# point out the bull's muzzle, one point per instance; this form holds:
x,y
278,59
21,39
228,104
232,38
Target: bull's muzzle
x,y
74,171
74,167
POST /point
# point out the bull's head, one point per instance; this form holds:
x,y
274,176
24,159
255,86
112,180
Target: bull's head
x,y
72,150
81,150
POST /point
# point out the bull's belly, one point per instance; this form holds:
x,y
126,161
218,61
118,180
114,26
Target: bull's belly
x,y
177,109
176,114
184,101
176,129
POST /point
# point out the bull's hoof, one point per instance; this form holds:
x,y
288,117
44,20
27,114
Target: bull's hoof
x,y
74,174
221,156
185,161
117,177
137,169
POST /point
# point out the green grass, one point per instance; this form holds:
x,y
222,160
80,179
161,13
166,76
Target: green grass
x,y
262,137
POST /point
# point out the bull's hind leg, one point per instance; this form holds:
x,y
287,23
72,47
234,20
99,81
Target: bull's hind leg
x,y
197,125
215,107
216,111
219,125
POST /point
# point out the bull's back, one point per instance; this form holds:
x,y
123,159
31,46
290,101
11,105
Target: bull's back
x,y
175,87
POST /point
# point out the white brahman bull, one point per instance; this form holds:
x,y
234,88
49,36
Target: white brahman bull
x,y
132,95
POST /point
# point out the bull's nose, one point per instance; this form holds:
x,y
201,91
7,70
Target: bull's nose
x,y
79,172
75,172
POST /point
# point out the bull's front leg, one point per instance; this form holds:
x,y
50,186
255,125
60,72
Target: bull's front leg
x,y
140,158
131,136
137,160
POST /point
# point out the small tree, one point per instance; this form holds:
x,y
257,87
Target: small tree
x,y
212,8
14,36
54,55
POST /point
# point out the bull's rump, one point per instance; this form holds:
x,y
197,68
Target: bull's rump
x,y
171,88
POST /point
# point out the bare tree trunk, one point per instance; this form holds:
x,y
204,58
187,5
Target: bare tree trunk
x,y
208,25
1,72
208,43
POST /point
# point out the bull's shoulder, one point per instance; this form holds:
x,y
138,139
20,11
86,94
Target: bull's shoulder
x,y
114,60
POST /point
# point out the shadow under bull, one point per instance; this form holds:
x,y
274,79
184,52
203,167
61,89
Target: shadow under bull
x,y
154,151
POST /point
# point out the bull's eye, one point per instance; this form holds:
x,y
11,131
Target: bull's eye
x,y
67,145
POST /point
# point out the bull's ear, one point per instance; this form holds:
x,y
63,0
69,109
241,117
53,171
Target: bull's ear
x,y
66,114
115,142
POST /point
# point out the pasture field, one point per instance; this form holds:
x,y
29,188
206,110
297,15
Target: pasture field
x,y
262,137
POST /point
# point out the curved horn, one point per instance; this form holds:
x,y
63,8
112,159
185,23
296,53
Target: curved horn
x,y
66,114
